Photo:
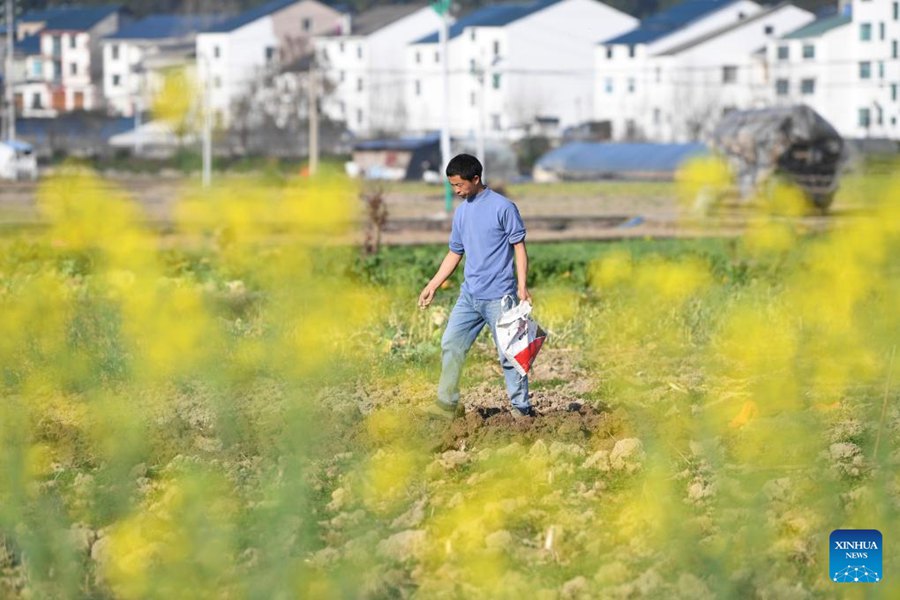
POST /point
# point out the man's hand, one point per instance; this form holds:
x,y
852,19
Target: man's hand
x,y
426,297
524,295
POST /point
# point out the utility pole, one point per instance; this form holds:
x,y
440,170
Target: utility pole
x,y
207,122
313,118
442,8
8,77
481,77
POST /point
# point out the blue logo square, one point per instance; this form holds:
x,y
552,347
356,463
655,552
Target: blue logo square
x,y
855,556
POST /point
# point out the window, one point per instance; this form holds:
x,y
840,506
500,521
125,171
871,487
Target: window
x,y
216,52
631,85
658,74
880,69
72,41
307,24
865,32
471,65
729,74
114,51
865,70
608,85
418,57
782,87
359,116
657,116
631,50
495,122
37,68
496,78
472,35
437,57
783,53
896,11
359,51
57,45
496,48
881,31
473,99
342,76
893,92
894,49
807,87
341,47
270,54
36,101
116,80
359,84
864,118
73,69
879,116
418,88
809,51
768,30
609,52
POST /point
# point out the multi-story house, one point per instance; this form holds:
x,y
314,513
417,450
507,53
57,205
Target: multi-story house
x,y
364,68
627,76
136,56
235,56
510,67
58,56
846,67
706,77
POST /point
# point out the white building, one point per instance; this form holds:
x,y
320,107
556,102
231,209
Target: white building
x,y
58,59
629,75
845,67
135,56
509,66
718,72
365,67
234,57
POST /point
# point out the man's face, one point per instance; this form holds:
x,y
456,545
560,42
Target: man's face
x,y
463,187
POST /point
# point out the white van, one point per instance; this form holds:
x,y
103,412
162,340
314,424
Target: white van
x,y
17,161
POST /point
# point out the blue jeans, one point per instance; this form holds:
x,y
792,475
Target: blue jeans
x,y
466,321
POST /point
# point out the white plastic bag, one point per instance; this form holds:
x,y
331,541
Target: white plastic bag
x,y
519,336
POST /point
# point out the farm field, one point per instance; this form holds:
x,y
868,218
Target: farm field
x,y
224,405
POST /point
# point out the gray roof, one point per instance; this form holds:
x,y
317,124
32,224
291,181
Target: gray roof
x,y
725,29
818,27
376,18
496,15
70,18
258,12
667,21
155,27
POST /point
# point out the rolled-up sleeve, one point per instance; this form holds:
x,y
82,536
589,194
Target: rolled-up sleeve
x,y
513,225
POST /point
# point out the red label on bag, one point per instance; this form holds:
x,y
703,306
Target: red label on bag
x,y
526,357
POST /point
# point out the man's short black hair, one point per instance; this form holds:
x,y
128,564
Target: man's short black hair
x,y
464,165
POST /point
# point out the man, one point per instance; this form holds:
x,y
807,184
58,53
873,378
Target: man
x,y
488,230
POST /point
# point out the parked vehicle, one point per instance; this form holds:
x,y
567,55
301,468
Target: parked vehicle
x,y
794,142
17,161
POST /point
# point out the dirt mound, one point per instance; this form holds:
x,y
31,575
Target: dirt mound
x,y
483,426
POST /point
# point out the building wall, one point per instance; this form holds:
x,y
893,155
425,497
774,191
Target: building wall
x,y
121,80
857,105
536,66
229,63
620,71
